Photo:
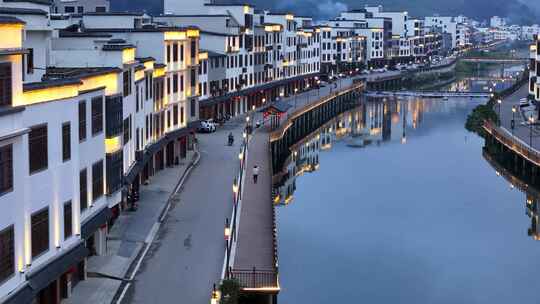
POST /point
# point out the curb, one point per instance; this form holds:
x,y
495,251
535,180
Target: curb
x,y
136,263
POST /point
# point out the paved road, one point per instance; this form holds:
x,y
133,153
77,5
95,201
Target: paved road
x,y
520,130
186,259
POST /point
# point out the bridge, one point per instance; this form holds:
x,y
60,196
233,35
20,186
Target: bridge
x,y
496,60
428,94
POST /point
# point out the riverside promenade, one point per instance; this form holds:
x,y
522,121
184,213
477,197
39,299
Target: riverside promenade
x,y
254,256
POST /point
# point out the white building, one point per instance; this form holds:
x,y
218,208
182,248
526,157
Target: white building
x,y
497,21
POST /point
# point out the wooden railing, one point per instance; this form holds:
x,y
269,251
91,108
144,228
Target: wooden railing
x,y
256,279
512,142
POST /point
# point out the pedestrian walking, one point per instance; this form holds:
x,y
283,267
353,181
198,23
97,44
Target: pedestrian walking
x,y
255,173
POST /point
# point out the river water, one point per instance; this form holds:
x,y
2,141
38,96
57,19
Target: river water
x,y
393,202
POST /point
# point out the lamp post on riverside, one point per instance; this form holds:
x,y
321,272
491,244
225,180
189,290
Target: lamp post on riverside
x,y
513,122
499,101
295,96
531,121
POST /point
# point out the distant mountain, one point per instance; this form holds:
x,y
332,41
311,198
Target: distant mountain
x,y
518,11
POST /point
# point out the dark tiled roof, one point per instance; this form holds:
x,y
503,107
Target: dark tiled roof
x,y
50,84
113,14
193,16
10,20
140,30
159,65
139,67
145,59
68,34
213,54
63,72
42,2
117,47
22,11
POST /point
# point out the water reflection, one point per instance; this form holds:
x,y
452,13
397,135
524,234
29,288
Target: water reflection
x,y
374,122
520,182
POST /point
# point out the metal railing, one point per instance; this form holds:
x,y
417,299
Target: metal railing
x,y
513,143
255,278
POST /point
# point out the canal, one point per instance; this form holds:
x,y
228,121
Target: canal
x,y
395,202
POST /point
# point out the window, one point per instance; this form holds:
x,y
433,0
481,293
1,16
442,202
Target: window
x,y
82,120
68,220
101,9
168,53
168,119
193,78
181,115
5,84
40,232
37,142
181,52
136,98
6,169
7,253
127,82
97,180
66,141
126,131
30,63
192,108
80,9
69,9
83,191
193,48
175,115
182,83
175,83
97,115
175,52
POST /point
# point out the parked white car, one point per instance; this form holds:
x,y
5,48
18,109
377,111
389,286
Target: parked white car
x,y
207,126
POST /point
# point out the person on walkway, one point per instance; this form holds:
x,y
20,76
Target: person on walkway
x,y
255,173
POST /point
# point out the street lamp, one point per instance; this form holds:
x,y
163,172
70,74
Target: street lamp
x,y
235,189
499,101
318,88
513,122
263,100
531,121
295,96
227,232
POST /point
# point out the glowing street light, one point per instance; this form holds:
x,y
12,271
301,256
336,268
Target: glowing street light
x,y
227,231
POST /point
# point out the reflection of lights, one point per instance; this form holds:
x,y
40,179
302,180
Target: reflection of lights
x,y
511,186
404,140
498,173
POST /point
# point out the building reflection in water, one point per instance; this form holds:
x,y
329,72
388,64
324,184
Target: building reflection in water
x,y
532,195
374,122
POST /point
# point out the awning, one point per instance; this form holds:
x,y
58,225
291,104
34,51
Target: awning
x,y
22,295
268,85
91,225
48,272
277,107
155,147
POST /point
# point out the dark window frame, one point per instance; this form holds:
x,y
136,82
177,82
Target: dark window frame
x,y
66,141
40,232
38,149
6,169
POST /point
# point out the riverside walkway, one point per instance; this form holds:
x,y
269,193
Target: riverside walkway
x,y
524,138
254,262
429,94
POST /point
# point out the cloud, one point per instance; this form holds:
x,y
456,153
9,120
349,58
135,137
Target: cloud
x,y
320,10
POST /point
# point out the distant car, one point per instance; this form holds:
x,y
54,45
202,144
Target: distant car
x,y
207,127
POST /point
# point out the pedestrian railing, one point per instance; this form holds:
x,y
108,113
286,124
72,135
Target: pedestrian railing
x,y
512,142
260,279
